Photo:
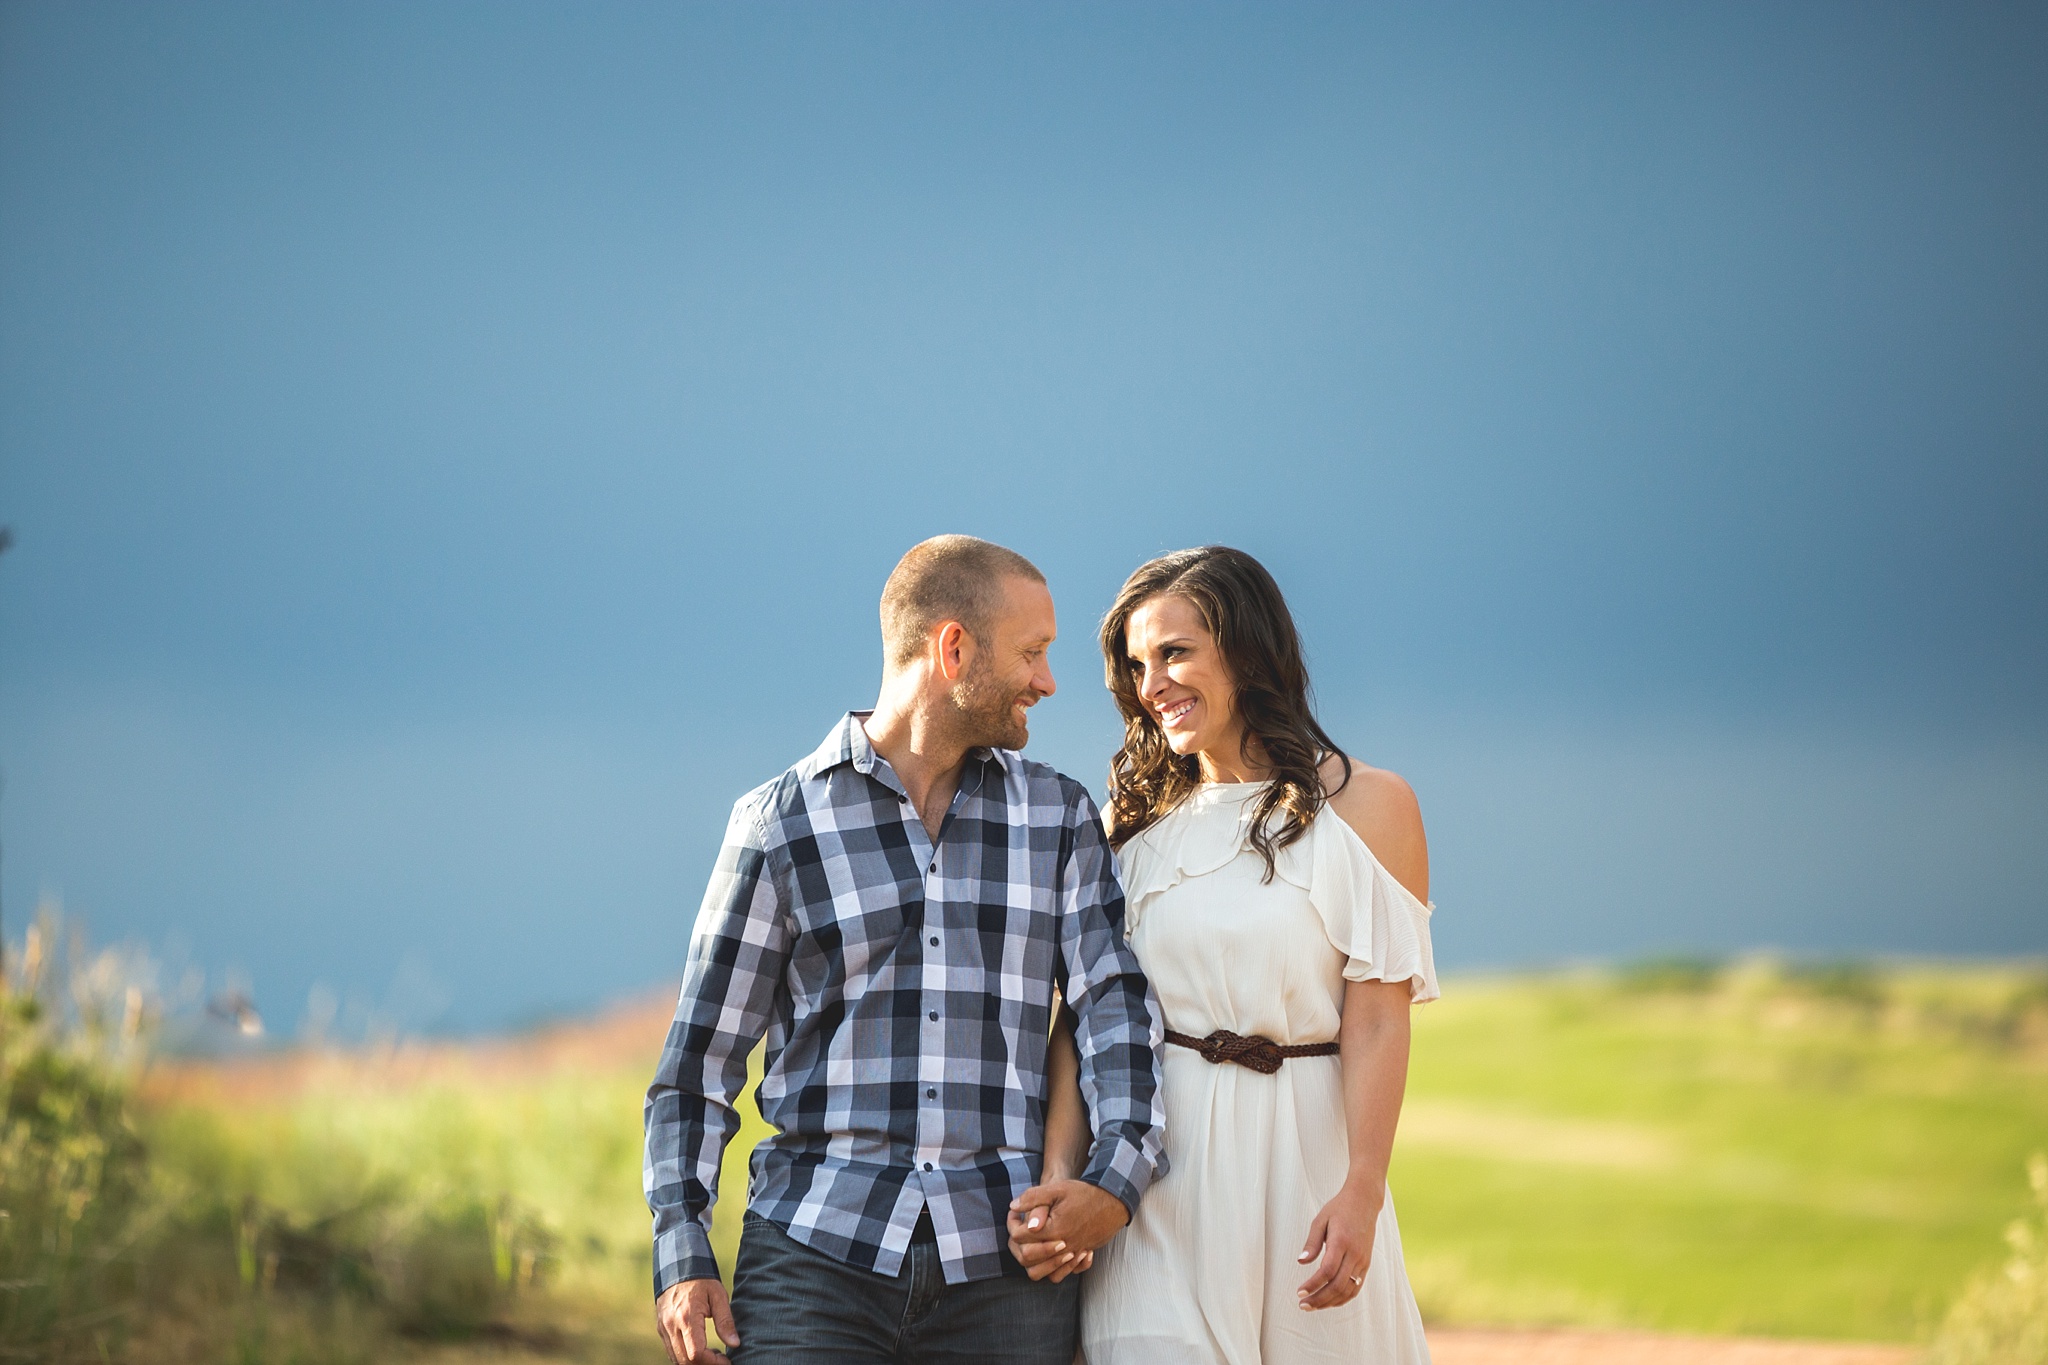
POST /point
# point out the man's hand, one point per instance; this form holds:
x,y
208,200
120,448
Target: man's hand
x,y
679,1314
1056,1227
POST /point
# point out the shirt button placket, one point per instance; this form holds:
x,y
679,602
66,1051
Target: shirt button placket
x,y
931,1061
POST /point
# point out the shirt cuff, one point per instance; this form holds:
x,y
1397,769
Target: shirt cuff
x,y
1117,1166
689,1258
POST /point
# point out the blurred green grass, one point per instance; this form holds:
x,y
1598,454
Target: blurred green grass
x,y
1753,1148
1756,1149
1748,1148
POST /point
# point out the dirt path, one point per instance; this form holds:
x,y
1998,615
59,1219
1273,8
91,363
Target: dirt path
x,y
627,1035
1449,1347
1468,1347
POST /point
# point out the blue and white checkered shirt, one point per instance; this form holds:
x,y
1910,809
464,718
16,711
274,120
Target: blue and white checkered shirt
x,y
905,991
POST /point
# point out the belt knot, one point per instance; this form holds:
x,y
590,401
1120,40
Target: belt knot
x,y
1260,1054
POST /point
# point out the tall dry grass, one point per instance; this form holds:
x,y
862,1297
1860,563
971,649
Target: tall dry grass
x,y
337,1230
74,1206
2002,1317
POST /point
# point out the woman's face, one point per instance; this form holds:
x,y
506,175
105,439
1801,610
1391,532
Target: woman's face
x,y
1182,679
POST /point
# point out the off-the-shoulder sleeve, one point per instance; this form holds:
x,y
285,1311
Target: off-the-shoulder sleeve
x,y
1376,922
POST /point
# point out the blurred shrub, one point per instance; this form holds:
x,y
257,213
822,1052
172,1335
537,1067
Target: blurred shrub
x,y
2002,1318
312,1219
1670,975
2004,1009
1852,983
246,1236
72,1167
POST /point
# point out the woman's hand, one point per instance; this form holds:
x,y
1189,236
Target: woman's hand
x,y
1342,1235
1038,1247
1056,1226
1045,1259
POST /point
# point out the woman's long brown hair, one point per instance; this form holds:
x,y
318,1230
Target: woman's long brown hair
x,y
1242,607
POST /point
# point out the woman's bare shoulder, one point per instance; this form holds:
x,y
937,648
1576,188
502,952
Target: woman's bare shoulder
x,y
1381,808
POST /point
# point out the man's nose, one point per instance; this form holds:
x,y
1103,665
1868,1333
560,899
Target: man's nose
x,y
1044,683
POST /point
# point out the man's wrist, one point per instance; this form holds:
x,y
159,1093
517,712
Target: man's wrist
x,y
690,1268
1103,1173
1122,1205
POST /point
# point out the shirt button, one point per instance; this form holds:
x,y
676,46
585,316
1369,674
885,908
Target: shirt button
x,y
927,1165
935,940
931,1092
935,1016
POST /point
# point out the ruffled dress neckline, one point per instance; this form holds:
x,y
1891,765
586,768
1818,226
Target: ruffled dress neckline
x,y
1211,829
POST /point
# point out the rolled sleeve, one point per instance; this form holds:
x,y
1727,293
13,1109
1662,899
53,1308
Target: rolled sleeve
x,y
1119,1032
737,956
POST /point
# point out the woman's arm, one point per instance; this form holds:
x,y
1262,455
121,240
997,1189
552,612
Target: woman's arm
x,y
1067,1137
1068,1142
1373,1043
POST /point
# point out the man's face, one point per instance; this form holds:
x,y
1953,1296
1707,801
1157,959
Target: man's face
x,y
1009,672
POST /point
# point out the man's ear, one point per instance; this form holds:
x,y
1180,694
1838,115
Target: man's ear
x,y
954,648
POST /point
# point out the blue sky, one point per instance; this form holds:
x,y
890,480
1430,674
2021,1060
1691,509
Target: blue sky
x,y
454,450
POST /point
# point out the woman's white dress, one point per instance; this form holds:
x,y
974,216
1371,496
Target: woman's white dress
x,y
1206,1272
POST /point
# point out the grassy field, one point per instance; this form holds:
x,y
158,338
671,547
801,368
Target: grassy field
x,y
1748,1149
1751,1149
1825,1154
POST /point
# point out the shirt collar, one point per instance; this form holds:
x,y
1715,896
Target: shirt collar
x,y
849,743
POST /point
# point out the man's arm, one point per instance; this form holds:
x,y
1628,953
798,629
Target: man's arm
x,y
1117,1020
736,962
1118,1033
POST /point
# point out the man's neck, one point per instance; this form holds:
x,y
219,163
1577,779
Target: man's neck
x,y
922,750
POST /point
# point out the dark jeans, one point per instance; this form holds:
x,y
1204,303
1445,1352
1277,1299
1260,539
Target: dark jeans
x,y
796,1306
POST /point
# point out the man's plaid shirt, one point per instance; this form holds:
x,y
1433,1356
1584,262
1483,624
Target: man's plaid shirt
x,y
905,992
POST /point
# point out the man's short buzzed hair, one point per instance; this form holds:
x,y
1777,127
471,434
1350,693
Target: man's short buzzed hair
x,y
946,578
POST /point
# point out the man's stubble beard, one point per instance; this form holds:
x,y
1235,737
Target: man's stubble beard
x,y
985,710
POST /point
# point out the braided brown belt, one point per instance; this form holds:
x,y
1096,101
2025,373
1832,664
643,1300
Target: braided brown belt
x,y
1262,1055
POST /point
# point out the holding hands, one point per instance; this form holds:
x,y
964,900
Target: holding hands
x,y
1056,1226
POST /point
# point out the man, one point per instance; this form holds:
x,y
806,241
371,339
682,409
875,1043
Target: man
x,y
893,915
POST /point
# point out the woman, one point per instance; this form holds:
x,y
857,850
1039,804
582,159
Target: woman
x,y
1276,895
